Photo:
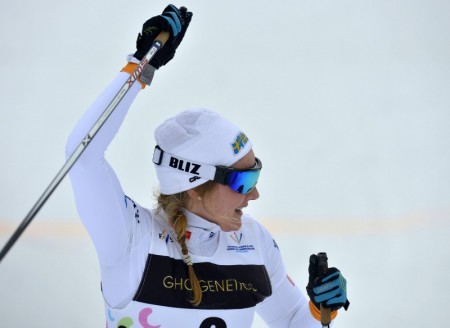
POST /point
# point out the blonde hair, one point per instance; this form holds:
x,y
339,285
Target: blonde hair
x,y
172,205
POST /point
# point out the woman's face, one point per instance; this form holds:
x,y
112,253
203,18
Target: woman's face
x,y
222,205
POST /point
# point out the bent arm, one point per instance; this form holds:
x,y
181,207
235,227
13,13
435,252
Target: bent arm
x,y
287,306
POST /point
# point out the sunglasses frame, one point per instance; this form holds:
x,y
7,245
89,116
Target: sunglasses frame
x,y
222,172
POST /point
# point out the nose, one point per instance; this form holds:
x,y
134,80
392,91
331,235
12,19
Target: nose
x,y
253,195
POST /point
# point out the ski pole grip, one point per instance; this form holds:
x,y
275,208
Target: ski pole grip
x,y
162,37
325,314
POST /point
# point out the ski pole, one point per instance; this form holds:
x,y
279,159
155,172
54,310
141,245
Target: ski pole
x,y
325,314
159,42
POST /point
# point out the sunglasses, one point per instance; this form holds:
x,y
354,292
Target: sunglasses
x,y
242,181
239,180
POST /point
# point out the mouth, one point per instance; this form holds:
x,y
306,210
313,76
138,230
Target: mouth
x,y
238,211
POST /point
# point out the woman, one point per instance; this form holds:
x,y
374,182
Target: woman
x,y
196,260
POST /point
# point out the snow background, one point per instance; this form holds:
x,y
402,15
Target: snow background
x,y
346,102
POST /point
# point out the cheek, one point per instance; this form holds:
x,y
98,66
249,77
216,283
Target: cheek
x,y
224,200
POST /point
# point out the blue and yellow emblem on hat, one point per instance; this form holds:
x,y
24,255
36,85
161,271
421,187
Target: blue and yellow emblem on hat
x,y
239,143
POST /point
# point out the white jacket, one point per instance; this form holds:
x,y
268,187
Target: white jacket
x,y
143,277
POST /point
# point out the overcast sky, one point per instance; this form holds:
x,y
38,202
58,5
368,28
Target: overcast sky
x,y
346,102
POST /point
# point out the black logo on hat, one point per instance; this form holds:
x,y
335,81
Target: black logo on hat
x,y
185,166
194,178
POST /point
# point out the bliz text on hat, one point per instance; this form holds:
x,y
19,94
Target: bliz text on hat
x,y
185,166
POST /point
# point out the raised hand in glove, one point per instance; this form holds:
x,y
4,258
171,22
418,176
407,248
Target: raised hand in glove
x,y
330,289
174,20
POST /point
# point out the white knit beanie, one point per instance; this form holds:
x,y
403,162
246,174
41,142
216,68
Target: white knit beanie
x,y
200,136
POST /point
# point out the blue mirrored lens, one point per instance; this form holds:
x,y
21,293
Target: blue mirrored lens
x,y
242,182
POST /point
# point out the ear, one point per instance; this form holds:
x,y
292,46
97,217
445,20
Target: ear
x,y
193,194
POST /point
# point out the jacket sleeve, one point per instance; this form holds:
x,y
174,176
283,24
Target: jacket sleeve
x,y
98,194
287,306
112,220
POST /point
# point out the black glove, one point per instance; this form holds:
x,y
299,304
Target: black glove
x,y
173,20
330,290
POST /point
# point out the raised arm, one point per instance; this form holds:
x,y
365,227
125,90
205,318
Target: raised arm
x,y
99,197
